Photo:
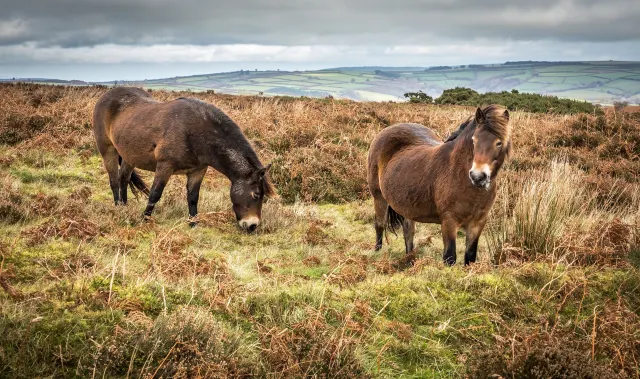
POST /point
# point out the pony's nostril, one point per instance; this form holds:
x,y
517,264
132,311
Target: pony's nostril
x,y
249,224
478,177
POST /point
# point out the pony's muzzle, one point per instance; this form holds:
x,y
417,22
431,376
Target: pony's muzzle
x,y
249,224
479,178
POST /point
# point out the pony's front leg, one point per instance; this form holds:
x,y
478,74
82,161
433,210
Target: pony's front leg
x,y
159,182
449,231
194,180
473,236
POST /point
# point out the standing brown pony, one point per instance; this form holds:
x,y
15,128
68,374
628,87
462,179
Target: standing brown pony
x,y
414,176
183,136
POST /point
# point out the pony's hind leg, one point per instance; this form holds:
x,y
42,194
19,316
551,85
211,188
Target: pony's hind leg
x,y
409,230
110,160
124,176
473,235
194,180
380,206
449,231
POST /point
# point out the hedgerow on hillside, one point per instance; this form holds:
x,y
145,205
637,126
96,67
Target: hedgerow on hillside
x,y
514,100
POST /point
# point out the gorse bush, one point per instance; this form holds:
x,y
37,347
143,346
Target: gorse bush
x,y
515,100
418,97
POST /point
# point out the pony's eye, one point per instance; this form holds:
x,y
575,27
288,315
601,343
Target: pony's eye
x,y
499,144
255,195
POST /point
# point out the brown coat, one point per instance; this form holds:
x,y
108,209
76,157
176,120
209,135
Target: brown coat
x,y
415,177
183,136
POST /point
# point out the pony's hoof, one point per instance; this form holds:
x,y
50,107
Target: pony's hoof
x,y
378,247
147,218
192,224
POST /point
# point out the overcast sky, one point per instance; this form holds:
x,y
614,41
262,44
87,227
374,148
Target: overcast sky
x,y
138,39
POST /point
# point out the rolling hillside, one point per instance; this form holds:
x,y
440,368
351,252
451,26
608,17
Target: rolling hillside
x,y
598,82
601,82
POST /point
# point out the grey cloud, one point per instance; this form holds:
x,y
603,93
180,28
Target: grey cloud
x,y
75,23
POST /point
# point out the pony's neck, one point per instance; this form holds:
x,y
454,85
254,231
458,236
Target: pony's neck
x,y
241,163
234,160
463,145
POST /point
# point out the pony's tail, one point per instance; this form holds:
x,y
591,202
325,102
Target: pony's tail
x,y
393,220
136,183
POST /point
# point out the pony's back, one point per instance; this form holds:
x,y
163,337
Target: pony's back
x,y
391,141
396,137
112,102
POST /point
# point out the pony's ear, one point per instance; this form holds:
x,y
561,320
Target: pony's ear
x,y
507,149
480,118
506,114
263,171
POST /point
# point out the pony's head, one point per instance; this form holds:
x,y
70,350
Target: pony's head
x,y
247,195
491,144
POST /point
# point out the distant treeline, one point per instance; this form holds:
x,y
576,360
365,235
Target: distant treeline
x,y
388,74
436,68
513,100
546,63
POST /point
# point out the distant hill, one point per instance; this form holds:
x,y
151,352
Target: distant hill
x,y
48,81
598,82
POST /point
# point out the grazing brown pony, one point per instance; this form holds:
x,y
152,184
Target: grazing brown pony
x,y
415,177
183,136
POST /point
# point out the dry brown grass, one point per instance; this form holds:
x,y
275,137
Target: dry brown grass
x,y
319,147
89,288
312,348
553,351
554,214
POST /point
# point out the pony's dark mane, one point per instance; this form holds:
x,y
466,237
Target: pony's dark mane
x,y
460,129
495,122
240,143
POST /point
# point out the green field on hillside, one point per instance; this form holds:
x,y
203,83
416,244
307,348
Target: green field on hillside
x,y
598,82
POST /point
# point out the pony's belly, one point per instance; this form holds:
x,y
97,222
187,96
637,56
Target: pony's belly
x,y
408,191
137,147
137,154
428,219
425,213
417,205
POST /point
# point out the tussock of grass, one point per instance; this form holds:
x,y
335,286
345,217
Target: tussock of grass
x,y
190,342
552,214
